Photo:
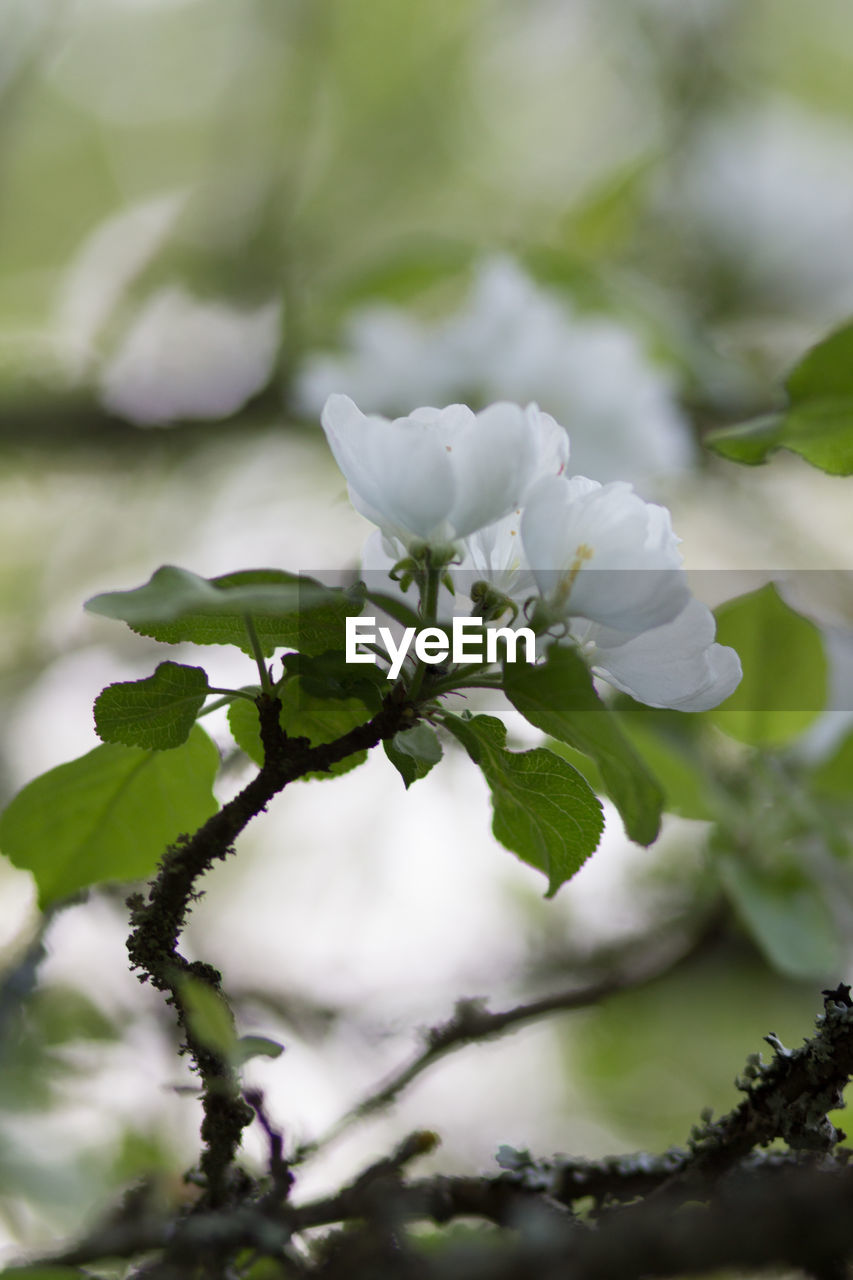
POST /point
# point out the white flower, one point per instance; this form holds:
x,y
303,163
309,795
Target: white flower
x,y
390,362
512,339
439,475
185,358
97,278
600,552
495,555
678,665
771,191
605,563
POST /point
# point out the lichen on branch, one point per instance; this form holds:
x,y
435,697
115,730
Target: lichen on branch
x,y
158,919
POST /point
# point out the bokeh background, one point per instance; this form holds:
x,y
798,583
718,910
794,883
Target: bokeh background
x,y
212,215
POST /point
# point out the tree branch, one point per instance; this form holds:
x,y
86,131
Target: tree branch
x,y
719,1202
156,923
472,1023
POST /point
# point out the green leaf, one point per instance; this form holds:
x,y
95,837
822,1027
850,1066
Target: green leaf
x,y
599,224
818,423
289,610
156,713
64,1013
302,716
585,766
413,752
784,684
209,1019
245,726
747,442
685,787
788,916
403,274
683,783
329,675
826,370
834,777
559,698
821,431
544,811
211,1022
256,1047
109,815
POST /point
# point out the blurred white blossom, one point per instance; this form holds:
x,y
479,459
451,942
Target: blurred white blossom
x,y
187,358
771,190
109,258
514,340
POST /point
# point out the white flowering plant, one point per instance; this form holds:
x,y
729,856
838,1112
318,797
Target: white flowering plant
x,y
479,507
578,596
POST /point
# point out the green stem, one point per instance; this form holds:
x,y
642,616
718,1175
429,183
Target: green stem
x,y
429,610
228,695
450,684
258,652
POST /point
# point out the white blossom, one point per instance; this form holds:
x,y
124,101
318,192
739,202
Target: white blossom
x,y
439,475
600,552
512,339
600,566
97,278
187,358
771,190
678,665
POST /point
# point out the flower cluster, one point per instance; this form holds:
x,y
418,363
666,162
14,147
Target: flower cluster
x,y
513,339
592,564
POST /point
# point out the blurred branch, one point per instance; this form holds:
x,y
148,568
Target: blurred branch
x,y
791,1216
472,1023
19,981
719,1202
796,1218
79,421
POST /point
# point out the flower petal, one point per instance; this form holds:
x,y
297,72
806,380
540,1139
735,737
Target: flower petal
x,y
491,456
601,552
676,666
439,475
397,476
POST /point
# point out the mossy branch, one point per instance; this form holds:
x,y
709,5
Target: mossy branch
x,y
158,918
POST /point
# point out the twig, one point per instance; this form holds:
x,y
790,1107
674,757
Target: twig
x,y
798,1218
157,922
787,1098
719,1202
789,1216
472,1023
18,982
